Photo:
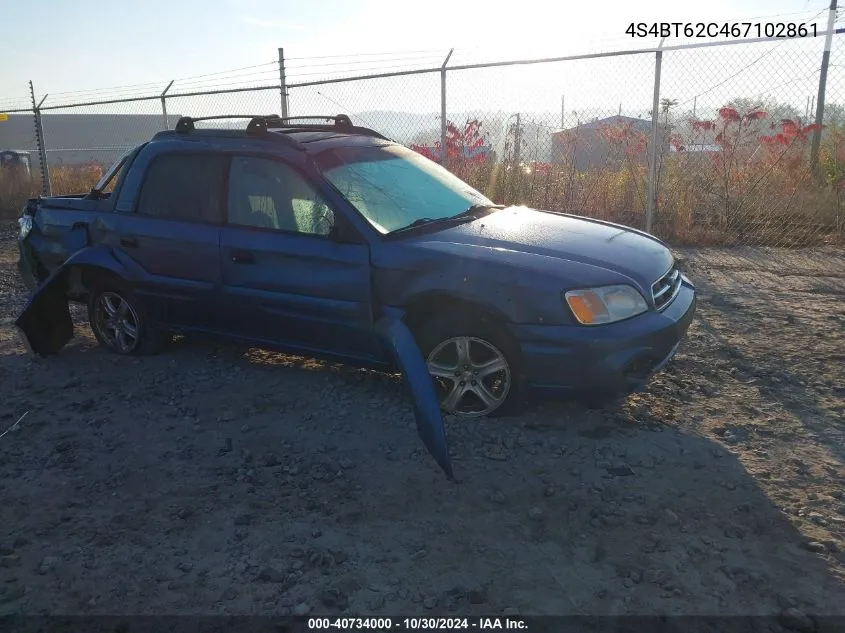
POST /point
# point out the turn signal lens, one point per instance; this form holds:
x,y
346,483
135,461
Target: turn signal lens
x,y
605,304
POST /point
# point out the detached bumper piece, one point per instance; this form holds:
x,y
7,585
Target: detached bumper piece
x,y
45,324
399,340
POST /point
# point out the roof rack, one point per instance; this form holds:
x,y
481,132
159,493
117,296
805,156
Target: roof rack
x,y
261,123
257,122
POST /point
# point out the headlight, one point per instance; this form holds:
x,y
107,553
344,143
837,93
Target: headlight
x,y
25,223
606,304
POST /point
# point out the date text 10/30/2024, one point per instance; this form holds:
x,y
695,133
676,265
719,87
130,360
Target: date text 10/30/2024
x,y
715,29
413,624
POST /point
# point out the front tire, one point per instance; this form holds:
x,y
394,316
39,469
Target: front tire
x,y
119,323
473,365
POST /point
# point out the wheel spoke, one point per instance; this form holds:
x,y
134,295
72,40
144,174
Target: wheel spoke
x,y
441,371
109,307
130,330
486,396
451,402
120,339
462,348
123,309
491,366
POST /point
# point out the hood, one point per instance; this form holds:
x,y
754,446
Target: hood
x,y
635,254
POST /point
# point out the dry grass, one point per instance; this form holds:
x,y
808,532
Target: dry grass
x,y
15,189
768,200
745,194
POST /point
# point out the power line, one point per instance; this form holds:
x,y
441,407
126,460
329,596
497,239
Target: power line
x,y
792,81
365,54
262,73
376,69
744,68
223,72
364,61
111,89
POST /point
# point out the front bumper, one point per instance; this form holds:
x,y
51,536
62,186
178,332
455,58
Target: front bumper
x,y
603,361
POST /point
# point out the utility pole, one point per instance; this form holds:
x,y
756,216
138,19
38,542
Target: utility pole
x,y
828,41
517,140
283,85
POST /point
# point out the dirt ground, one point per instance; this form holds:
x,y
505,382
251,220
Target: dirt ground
x,y
217,479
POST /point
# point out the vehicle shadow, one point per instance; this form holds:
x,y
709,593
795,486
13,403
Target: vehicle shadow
x,y
220,447
793,360
561,510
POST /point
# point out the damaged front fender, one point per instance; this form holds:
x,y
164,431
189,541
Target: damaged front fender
x,y
45,323
400,342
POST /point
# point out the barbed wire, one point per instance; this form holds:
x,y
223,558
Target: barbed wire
x,y
360,64
744,68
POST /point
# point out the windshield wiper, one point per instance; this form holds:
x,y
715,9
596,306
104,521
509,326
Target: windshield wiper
x,y
469,213
475,210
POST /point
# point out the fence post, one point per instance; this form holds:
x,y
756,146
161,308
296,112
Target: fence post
x,y
164,105
283,84
443,108
828,41
652,159
46,189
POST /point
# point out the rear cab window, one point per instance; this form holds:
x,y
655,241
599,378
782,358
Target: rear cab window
x,y
184,186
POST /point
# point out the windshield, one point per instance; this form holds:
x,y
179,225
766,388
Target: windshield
x,y
393,187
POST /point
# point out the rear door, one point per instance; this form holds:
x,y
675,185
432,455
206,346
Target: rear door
x,y
285,280
171,238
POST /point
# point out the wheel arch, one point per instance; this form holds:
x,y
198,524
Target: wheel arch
x,y
87,267
424,306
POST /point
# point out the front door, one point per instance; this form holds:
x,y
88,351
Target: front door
x,y
285,280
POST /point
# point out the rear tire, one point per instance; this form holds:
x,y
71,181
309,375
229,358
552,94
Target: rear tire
x,y
474,364
119,323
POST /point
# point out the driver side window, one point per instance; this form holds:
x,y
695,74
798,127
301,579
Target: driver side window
x,y
264,193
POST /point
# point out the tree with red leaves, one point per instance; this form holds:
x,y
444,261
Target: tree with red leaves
x,y
463,146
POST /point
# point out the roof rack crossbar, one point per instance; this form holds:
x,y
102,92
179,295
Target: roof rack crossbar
x,y
340,123
186,123
261,123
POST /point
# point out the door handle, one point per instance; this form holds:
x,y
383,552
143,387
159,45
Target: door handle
x,y
131,242
243,257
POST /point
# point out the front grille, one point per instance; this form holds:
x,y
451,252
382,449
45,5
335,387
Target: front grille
x,y
665,289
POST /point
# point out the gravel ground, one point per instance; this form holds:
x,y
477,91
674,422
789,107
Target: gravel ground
x,y
219,479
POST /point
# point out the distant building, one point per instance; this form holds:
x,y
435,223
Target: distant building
x,y
603,142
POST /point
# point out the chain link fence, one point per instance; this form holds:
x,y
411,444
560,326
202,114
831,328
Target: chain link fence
x,y
723,161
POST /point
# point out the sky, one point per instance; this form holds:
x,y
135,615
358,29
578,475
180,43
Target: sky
x,y
78,49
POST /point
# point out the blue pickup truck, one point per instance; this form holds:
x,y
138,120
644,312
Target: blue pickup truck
x,y
303,236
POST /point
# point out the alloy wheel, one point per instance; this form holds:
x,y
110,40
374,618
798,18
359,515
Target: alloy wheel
x,y
116,322
471,376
